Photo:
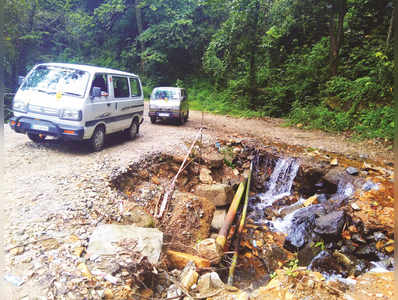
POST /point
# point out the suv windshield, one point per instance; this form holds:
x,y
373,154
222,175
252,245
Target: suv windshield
x,y
163,94
51,80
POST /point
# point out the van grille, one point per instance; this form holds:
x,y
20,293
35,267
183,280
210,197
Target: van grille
x,y
42,110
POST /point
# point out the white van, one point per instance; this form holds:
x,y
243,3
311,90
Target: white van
x,y
77,102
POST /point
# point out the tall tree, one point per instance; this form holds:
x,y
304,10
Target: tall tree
x,y
338,10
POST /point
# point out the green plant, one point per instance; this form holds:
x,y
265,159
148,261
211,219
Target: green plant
x,y
273,275
291,269
320,244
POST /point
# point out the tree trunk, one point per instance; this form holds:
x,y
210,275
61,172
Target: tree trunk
x,y
390,29
138,17
339,9
252,60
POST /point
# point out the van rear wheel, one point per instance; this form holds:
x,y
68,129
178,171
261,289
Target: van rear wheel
x,y
153,120
97,141
37,138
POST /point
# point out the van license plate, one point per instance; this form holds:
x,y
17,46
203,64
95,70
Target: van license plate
x,y
164,115
40,127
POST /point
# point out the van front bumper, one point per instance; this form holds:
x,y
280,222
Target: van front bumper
x,y
30,125
164,114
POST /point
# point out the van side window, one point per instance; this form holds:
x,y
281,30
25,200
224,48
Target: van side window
x,y
135,87
120,87
101,82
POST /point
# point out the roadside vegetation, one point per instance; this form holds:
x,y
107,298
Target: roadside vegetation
x,y
318,64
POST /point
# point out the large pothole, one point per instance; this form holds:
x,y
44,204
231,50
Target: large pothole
x,y
306,208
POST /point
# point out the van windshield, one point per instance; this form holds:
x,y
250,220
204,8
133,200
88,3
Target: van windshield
x,y
163,94
51,80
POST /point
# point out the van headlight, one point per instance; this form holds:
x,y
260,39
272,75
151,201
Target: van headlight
x,y
70,114
19,106
175,107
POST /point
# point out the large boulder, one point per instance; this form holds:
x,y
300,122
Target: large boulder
x,y
330,224
302,226
220,194
110,239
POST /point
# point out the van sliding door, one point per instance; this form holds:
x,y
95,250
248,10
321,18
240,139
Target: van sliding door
x,y
121,93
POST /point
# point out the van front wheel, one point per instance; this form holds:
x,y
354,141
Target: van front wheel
x,y
37,138
133,130
98,139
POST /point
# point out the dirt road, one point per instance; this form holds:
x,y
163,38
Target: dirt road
x,y
54,191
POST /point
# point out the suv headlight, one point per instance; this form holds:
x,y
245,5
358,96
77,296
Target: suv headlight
x,y
70,114
19,106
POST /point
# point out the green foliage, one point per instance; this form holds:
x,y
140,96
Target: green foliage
x,y
373,122
291,269
320,244
250,58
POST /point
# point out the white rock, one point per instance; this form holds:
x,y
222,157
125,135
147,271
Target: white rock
x,y
147,241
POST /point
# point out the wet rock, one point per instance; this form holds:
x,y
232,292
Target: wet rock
x,y
188,276
302,226
135,214
360,267
284,211
352,171
330,224
369,185
219,194
107,240
322,198
377,236
324,262
218,219
307,253
299,234
209,282
205,176
368,252
210,250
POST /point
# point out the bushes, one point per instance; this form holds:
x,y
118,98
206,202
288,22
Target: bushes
x,y
373,122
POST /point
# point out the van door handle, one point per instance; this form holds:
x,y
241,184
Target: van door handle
x,y
108,104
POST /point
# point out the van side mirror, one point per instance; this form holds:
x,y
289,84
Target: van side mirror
x,y
20,79
95,92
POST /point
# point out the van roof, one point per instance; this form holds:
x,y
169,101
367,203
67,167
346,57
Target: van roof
x,y
90,69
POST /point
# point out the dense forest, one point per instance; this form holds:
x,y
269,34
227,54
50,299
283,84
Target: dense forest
x,y
324,64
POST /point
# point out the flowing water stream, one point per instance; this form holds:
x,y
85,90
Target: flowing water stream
x,y
297,220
